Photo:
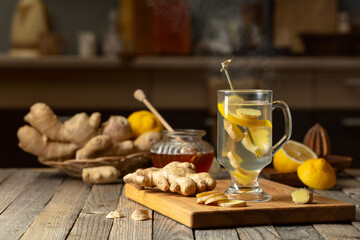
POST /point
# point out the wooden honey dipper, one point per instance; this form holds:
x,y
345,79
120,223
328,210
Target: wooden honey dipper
x,y
140,96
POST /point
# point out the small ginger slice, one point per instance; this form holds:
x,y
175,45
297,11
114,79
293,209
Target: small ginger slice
x,y
231,203
234,131
140,215
204,194
234,159
215,199
115,214
204,199
302,195
248,113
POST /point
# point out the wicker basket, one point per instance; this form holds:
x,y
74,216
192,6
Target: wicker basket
x,y
125,164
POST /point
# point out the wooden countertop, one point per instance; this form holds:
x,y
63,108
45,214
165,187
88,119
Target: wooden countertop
x,y
183,63
46,204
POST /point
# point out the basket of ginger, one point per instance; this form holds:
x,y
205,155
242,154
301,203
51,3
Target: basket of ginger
x,y
83,142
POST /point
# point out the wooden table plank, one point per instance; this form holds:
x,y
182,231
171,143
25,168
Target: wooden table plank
x,y
13,185
298,232
91,223
258,232
166,228
4,173
59,215
216,234
127,228
22,211
338,231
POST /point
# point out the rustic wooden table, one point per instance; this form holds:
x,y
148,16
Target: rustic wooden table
x,y
46,204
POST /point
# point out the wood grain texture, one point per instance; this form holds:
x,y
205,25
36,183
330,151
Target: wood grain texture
x,y
4,173
18,216
13,185
260,232
166,228
126,228
57,218
216,234
280,210
298,232
91,223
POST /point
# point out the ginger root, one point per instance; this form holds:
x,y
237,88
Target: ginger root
x,y
140,215
117,128
102,174
78,129
176,177
146,140
102,146
302,195
32,141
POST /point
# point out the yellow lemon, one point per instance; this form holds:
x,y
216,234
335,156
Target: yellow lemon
x,y
144,121
317,174
238,120
291,155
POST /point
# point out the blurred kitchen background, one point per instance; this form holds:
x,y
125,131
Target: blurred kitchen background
x,y
90,55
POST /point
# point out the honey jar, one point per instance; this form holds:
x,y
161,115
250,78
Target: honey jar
x,y
183,145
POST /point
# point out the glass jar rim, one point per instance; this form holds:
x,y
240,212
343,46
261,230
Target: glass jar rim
x,y
245,91
184,132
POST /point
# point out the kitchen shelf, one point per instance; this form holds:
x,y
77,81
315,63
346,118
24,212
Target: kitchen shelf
x,y
183,62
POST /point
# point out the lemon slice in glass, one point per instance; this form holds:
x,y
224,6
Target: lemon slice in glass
x,y
244,177
291,155
262,142
231,116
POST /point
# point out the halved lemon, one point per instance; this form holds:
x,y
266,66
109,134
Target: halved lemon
x,y
291,155
238,120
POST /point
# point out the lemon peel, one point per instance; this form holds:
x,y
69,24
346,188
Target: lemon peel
x,y
317,174
244,177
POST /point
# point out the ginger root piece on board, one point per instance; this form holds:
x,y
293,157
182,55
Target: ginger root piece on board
x,y
302,195
115,214
102,174
176,177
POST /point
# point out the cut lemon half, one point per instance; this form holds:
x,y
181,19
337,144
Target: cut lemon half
x,y
238,120
291,155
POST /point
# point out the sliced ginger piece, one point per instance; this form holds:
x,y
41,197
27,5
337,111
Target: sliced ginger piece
x,y
234,131
205,198
140,215
114,214
234,159
231,203
215,199
302,195
248,113
204,194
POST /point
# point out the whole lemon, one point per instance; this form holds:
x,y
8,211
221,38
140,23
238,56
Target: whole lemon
x,y
144,121
291,155
317,174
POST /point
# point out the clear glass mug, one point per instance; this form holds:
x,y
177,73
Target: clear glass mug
x,y
244,144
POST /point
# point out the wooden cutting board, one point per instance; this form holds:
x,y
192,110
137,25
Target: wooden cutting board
x,y
279,210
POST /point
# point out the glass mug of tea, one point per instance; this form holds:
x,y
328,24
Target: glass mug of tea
x,y
245,139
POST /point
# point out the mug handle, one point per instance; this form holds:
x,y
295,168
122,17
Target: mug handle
x,y
288,125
